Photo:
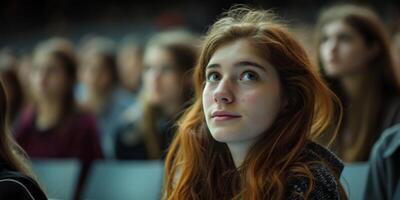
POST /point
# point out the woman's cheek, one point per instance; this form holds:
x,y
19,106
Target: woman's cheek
x,y
207,97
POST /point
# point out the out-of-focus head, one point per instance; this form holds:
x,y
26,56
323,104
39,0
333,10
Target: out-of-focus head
x,y
58,44
168,60
351,39
97,67
130,64
53,75
93,44
98,72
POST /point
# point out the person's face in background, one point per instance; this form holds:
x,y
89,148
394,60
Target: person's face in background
x,y
23,70
129,64
95,75
242,94
162,81
343,50
49,78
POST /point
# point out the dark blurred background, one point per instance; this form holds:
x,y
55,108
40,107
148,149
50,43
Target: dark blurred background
x,y
24,22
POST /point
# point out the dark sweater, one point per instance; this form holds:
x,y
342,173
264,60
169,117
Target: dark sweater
x,y
76,137
326,172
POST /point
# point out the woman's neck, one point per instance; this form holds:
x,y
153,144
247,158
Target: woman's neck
x,y
353,84
49,113
239,151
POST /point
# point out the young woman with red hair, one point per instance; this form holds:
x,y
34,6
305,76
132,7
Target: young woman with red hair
x,y
258,107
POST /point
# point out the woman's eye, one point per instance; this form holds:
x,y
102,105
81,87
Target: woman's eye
x,y
146,68
344,37
249,76
213,76
324,39
167,69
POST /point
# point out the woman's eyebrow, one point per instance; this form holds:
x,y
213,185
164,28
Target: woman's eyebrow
x,y
240,64
250,63
213,66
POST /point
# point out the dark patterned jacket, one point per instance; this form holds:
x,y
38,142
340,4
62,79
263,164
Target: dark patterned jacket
x,y
326,171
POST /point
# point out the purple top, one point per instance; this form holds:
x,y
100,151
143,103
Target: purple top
x,y
76,137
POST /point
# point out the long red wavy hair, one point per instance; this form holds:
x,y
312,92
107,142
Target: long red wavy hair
x,y
198,167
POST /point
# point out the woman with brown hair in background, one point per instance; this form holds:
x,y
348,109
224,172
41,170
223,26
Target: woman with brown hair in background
x,y
169,58
54,127
355,58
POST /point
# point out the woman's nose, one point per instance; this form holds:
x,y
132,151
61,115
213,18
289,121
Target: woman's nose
x,y
223,93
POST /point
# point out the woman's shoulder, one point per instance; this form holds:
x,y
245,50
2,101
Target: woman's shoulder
x,y
326,168
14,185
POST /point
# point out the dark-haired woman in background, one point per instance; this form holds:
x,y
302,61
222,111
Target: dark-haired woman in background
x,y
54,127
355,57
148,127
99,77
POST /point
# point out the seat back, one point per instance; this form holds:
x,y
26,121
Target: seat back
x,y
354,180
58,177
124,180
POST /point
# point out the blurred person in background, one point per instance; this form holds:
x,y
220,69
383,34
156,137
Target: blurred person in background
x,y
102,95
23,70
23,65
61,44
129,67
355,58
148,127
88,46
12,85
16,178
54,127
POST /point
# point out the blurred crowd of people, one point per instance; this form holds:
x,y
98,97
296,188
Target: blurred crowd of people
x,y
104,99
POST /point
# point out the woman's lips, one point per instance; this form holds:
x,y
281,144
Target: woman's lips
x,y
224,115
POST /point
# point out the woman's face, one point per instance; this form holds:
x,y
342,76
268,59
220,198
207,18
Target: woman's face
x,y
343,50
130,68
49,78
162,81
242,93
95,74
